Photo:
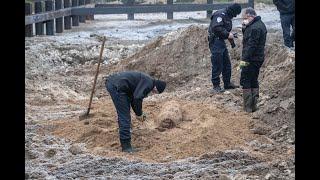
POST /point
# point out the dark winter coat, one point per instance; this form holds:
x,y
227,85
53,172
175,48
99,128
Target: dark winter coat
x,y
254,40
136,85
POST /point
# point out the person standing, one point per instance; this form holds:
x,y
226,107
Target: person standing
x,y
286,9
219,30
254,40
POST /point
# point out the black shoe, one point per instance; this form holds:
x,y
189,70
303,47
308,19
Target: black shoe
x,y
126,146
216,89
230,86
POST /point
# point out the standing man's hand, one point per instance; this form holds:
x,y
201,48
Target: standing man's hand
x,y
242,64
230,36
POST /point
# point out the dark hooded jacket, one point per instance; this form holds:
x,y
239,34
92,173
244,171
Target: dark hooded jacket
x,y
136,85
254,40
221,22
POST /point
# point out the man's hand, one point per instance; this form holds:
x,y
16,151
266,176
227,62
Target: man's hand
x,y
142,118
230,36
242,64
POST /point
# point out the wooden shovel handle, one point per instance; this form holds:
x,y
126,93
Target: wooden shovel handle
x,y
96,76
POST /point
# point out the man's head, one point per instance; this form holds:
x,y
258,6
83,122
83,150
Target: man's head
x,y
234,9
160,86
248,15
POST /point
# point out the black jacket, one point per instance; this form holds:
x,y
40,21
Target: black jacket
x,y
285,6
254,40
136,85
221,24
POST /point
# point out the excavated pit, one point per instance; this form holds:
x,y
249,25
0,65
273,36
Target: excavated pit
x,y
186,121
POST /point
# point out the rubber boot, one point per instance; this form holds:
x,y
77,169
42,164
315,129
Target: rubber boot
x,y
255,96
230,86
247,100
126,146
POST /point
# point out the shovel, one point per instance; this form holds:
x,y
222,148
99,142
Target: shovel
x,y
86,114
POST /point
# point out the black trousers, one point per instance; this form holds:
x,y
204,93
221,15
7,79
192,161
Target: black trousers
x,y
250,74
220,61
288,21
121,102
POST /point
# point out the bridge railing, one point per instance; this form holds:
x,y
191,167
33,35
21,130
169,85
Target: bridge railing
x,y
53,16
63,14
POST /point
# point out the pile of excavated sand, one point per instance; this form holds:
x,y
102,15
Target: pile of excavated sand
x,y
170,116
176,58
184,62
204,128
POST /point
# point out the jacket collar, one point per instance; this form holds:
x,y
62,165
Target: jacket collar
x,y
257,18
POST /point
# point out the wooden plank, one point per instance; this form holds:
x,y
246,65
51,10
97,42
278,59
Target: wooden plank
x,y
67,19
49,23
59,22
28,28
169,13
75,18
39,25
151,9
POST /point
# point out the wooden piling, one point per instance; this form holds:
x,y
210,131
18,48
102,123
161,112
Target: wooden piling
x,y
251,3
67,19
38,9
82,19
28,28
91,17
130,15
75,19
170,13
49,23
59,22
87,2
209,12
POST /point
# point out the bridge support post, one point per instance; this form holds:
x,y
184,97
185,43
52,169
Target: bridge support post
x,y
28,28
67,19
130,15
75,19
169,13
209,12
59,21
82,19
39,26
49,23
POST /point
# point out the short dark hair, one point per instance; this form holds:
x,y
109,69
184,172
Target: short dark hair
x,y
250,11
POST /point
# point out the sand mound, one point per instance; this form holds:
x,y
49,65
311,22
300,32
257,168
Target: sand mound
x,y
174,58
205,128
170,116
